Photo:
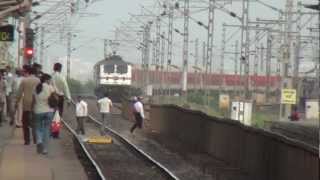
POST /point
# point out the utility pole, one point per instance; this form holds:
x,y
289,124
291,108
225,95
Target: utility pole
x,y
236,52
105,48
162,59
261,57
245,47
286,80
170,38
209,46
41,60
69,36
196,61
204,63
185,48
297,47
268,63
256,57
223,47
147,51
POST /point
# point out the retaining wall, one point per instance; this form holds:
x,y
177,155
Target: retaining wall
x,y
260,154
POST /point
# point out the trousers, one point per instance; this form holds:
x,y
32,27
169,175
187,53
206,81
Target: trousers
x,y
106,117
28,122
43,124
80,127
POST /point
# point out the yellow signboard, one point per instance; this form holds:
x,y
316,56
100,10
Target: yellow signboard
x,y
288,96
99,140
224,101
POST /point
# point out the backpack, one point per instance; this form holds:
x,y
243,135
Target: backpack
x,y
53,100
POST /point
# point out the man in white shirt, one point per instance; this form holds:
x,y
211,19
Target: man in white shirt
x,y
138,112
61,86
105,105
81,114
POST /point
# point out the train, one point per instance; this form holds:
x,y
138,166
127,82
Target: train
x,y
113,75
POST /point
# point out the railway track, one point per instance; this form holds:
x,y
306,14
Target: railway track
x,y
120,159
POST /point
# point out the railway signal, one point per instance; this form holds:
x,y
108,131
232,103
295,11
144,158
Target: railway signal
x,y
28,49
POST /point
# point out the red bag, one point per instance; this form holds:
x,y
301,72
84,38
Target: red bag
x,y
56,125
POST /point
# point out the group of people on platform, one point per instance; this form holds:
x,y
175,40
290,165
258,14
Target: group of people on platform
x,y
25,97
31,99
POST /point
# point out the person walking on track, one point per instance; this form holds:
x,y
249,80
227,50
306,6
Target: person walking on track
x,y
81,114
138,113
43,112
61,86
26,89
105,105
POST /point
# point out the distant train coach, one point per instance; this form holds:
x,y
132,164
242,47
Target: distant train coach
x,y
114,76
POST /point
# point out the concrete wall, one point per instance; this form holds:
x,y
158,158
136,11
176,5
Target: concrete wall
x,y
263,155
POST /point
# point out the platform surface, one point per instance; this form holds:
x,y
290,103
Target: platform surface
x,y
20,162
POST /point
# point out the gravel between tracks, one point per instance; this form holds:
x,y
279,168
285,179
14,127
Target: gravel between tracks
x,y
115,160
148,143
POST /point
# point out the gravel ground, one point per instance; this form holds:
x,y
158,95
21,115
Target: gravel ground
x,y
160,151
115,160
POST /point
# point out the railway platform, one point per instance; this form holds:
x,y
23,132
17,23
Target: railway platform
x,y
21,162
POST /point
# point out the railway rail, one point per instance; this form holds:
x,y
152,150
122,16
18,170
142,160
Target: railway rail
x,y
134,163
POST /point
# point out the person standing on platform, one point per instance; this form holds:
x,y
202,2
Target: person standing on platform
x,y
138,113
105,105
2,97
9,95
43,113
25,92
61,86
18,111
81,114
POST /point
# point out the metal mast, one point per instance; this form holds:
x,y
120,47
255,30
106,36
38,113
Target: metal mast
x,y
185,47
105,48
209,46
210,37
256,56
297,50
41,45
196,61
245,47
68,54
170,35
158,43
196,52
236,46
170,38
286,80
268,62
223,47
162,59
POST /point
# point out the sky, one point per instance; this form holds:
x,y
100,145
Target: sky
x,y
92,30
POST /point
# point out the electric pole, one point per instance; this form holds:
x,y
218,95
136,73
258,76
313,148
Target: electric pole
x,y
209,46
268,63
41,60
245,47
223,47
286,80
69,36
185,48
170,39
105,48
